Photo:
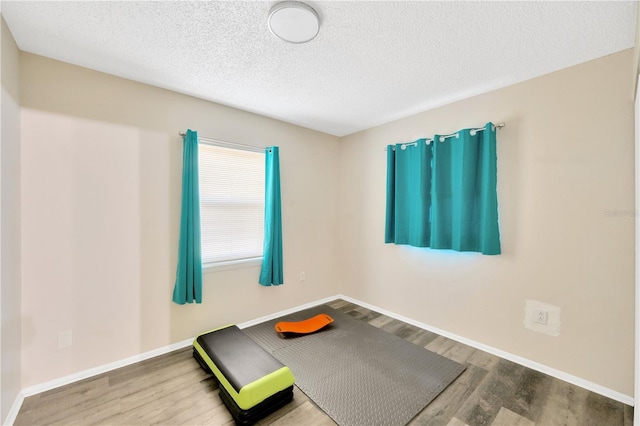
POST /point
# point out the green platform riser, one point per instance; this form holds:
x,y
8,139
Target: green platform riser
x,y
255,392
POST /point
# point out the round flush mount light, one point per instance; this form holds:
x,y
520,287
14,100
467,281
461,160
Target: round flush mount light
x,y
294,22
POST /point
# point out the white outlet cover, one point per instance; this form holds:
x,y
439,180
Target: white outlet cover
x,y
552,324
540,316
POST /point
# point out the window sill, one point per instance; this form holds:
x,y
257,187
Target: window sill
x,y
231,264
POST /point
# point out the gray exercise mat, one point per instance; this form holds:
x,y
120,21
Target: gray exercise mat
x,y
357,373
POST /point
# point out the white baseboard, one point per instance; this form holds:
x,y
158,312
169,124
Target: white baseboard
x,y
52,384
81,375
288,311
569,378
13,411
43,387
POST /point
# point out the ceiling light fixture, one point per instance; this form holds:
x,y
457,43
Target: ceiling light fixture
x,y
294,22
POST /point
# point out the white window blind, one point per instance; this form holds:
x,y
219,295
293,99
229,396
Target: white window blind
x,y
231,203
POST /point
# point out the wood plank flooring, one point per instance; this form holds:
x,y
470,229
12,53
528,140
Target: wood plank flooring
x,y
173,390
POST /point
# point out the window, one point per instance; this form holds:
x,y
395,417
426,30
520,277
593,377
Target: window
x,y
231,204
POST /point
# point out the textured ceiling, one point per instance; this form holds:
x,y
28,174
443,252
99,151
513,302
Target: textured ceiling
x,y
371,63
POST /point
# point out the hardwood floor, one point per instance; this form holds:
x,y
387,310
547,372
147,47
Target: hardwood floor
x,y
173,389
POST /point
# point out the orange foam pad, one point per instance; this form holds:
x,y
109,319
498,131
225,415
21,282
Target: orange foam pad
x,y
304,327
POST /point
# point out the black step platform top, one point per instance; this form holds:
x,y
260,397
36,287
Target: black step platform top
x,y
238,358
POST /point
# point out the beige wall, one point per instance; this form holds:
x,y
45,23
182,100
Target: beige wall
x,y
565,162
101,166
101,194
636,54
10,291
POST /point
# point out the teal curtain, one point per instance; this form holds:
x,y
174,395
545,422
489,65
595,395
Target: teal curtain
x,y
409,194
272,272
464,209
188,285
443,195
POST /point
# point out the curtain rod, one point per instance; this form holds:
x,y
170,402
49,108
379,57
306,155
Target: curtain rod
x,y
220,142
473,131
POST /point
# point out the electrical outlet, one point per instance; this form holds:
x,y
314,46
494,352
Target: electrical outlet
x,y
540,316
303,276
